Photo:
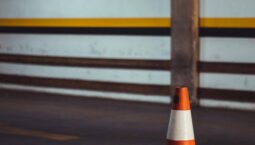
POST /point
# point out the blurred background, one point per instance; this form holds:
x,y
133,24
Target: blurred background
x,y
99,71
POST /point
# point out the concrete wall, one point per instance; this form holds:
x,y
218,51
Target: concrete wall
x,y
213,49
84,9
87,46
227,49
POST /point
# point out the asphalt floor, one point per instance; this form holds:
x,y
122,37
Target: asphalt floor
x,y
28,118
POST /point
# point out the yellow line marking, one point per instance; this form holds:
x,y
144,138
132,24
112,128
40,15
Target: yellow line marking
x,y
85,22
227,22
33,133
123,22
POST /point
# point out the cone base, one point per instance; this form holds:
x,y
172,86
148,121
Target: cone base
x,y
185,142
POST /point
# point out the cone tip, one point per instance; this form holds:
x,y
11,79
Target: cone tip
x,y
181,99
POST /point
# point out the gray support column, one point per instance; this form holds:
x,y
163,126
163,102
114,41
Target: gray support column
x,y
185,45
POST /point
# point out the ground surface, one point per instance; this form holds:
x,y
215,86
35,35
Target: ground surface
x,y
43,119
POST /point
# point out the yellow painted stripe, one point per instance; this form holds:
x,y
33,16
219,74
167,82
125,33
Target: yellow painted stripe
x,y
34,133
86,22
227,22
123,22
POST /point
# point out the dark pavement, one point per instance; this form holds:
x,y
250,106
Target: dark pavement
x,y
44,119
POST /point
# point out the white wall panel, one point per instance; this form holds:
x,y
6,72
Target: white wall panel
x,y
112,75
133,47
227,104
227,81
83,8
92,94
227,8
227,49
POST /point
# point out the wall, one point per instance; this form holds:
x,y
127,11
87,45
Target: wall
x,y
236,47
75,45
226,37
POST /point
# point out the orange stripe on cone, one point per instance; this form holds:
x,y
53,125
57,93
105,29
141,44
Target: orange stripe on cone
x,y
186,142
180,129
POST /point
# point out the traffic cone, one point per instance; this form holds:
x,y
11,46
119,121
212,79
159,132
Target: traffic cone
x,y
180,128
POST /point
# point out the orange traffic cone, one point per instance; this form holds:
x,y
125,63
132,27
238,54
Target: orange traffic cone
x,y
180,128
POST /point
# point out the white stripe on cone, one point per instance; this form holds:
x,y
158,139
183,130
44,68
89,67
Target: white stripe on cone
x,y
180,126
